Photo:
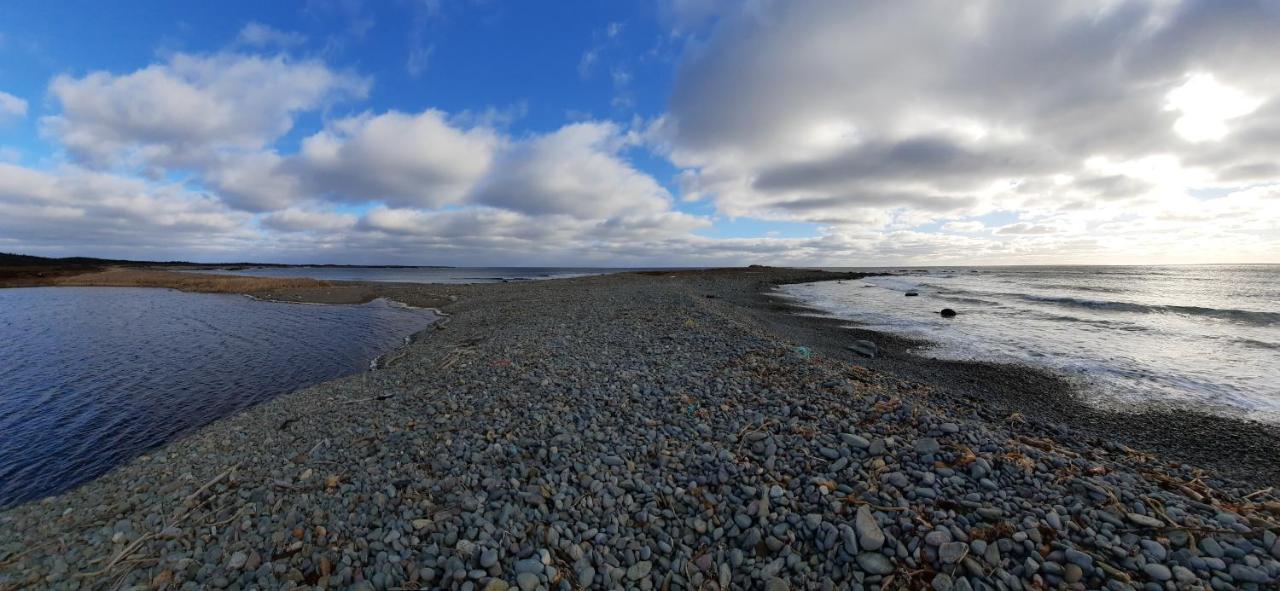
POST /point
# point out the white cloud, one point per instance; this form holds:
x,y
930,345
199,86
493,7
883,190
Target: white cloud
x,y
259,35
419,58
184,110
1100,125
99,213
1206,106
401,159
308,220
795,111
576,170
12,107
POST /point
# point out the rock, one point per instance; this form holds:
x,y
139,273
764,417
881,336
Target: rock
x,y
237,561
875,563
488,558
639,570
927,446
527,581
1072,573
870,537
1145,520
937,537
1249,574
1211,547
496,585
947,313
529,565
853,440
586,576
864,348
776,584
912,293
952,552
1078,558
1154,551
1157,572
941,582
848,540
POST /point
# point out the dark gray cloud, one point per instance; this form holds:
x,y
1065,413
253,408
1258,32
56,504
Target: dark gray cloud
x,y
939,159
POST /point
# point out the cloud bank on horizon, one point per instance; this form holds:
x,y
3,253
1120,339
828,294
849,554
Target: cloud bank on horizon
x,y
813,132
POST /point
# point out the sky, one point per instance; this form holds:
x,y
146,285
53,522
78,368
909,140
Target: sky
x,y
629,133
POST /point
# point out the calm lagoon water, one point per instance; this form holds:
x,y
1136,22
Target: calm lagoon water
x,y
422,274
1202,336
92,377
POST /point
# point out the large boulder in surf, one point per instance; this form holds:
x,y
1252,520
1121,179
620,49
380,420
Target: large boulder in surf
x,y
912,293
948,313
864,348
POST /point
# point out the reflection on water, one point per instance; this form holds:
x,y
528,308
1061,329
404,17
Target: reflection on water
x,y
92,377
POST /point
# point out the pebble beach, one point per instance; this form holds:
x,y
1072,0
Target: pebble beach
x,y
643,431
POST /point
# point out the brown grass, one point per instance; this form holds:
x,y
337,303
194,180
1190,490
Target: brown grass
x,y
190,281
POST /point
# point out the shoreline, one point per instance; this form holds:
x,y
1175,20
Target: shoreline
x,y
654,429
1237,448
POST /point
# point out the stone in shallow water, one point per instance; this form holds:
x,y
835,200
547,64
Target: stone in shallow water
x,y
864,348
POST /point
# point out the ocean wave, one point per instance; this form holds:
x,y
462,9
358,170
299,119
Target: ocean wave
x,y
1089,288
965,300
1241,316
1256,344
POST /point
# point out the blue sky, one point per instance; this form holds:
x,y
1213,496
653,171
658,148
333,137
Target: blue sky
x,y
641,133
518,57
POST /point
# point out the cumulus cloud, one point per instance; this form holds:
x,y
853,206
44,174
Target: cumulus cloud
x,y
398,158
185,110
576,170
796,110
308,220
11,107
1142,127
101,213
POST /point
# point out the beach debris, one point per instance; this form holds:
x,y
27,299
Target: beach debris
x,y
802,352
864,348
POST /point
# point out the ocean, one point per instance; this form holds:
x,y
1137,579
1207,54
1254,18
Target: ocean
x,y
1204,337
